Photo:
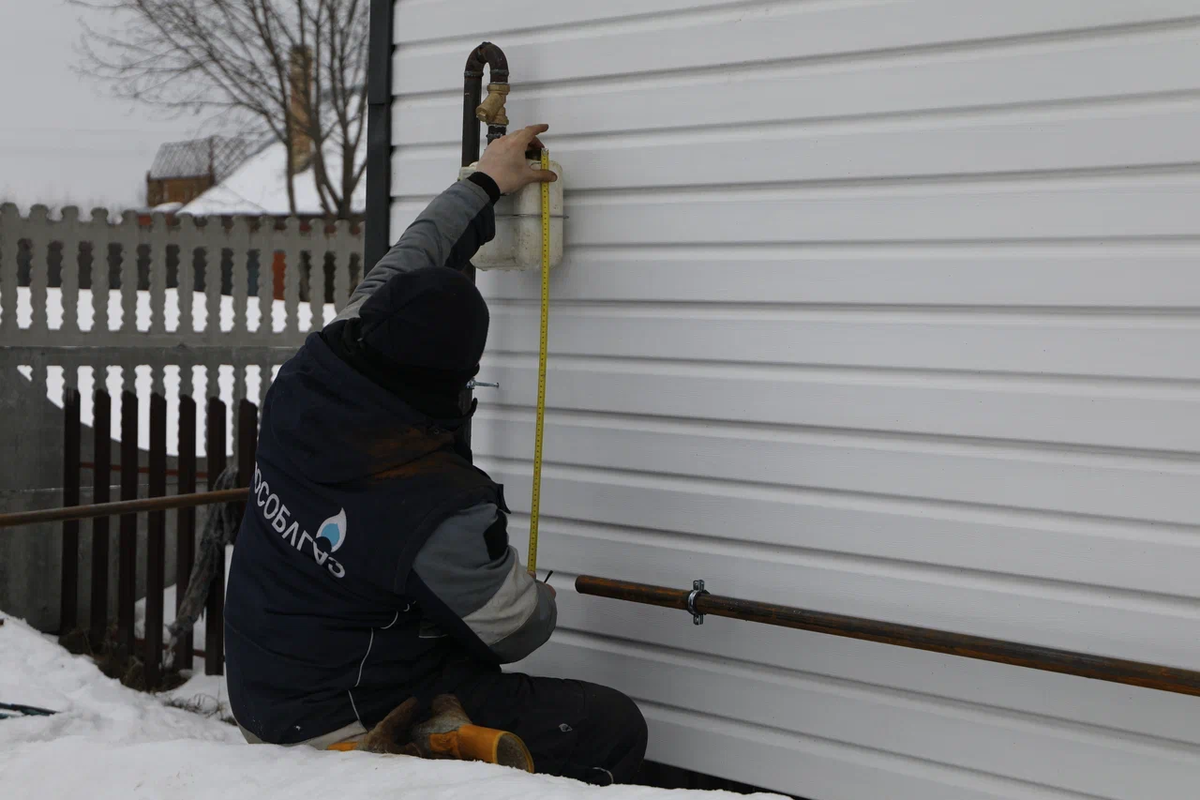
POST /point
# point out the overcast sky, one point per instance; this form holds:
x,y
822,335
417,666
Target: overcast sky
x,y
64,138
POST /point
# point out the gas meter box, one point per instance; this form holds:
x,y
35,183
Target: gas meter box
x,y
518,242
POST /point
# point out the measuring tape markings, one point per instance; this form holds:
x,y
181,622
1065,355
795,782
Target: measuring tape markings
x,y
541,388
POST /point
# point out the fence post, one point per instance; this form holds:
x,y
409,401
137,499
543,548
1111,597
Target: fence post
x,y
342,279
99,230
185,276
214,240
265,240
247,442
214,623
130,236
10,239
156,543
316,282
102,477
239,243
185,526
127,544
69,611
293,267
68,273
158,272
38,234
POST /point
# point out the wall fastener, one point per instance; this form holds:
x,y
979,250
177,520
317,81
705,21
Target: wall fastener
x,y
697,590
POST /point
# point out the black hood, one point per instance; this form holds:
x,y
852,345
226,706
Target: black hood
x,y
384,387
420,336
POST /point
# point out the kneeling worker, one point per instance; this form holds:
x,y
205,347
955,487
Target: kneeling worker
x,y
372,566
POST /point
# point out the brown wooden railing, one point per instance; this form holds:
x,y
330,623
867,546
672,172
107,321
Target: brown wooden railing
x,y
117,507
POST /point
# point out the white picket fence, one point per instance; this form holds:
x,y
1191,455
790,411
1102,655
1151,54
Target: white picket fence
x,y
168,340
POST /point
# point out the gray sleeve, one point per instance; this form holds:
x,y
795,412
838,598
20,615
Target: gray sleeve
x,y
500,603
451,221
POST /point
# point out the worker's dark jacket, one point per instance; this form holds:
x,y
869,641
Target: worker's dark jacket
x,y
372,554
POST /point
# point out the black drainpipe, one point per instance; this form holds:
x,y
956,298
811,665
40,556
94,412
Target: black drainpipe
x,y
377,238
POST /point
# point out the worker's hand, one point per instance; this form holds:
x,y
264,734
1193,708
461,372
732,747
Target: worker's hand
x,y
504,160
553,593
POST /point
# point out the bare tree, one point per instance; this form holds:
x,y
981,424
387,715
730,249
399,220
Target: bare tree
x,y
293,69
334,92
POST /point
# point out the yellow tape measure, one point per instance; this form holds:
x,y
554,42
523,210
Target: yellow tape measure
x,y
541,388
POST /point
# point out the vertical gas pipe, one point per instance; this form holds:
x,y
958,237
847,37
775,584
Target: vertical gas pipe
x,y
490,111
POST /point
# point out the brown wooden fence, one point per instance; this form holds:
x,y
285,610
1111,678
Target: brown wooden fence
x,y
150,649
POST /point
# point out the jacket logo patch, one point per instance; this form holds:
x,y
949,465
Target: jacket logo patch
x,y
333,530
277,515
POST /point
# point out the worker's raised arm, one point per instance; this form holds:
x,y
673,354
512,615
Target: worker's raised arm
x,y
447,233
460,220
470,585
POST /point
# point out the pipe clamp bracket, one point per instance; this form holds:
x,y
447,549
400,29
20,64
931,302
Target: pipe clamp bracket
x,y
697,590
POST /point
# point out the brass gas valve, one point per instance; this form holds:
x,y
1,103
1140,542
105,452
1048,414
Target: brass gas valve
x,y
491,110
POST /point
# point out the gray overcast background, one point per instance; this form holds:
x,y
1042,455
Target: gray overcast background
x,y
64,139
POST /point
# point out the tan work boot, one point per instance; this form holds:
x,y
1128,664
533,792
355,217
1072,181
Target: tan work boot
x,y
449,733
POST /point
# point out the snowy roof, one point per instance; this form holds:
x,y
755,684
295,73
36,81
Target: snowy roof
x,y
193,158
259,186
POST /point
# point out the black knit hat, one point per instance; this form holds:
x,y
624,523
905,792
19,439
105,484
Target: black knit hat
x,y
420,335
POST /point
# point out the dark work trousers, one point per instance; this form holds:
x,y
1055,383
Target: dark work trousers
x,y
573,729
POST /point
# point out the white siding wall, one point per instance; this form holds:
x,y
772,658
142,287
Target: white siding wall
x,y
877,307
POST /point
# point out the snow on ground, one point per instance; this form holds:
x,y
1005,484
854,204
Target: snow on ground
x,y
206,695
113,743
139,611
35,671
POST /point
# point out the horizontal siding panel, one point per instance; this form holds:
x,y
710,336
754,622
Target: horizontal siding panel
x,y
888,670
1104,416
1148,489
1091,763
825,769
1146,347
1151,65
1126,139
963,602
1108,275
1022,210
423,20
776,31
1126,556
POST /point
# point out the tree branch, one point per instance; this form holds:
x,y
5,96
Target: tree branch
x,y
232,59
